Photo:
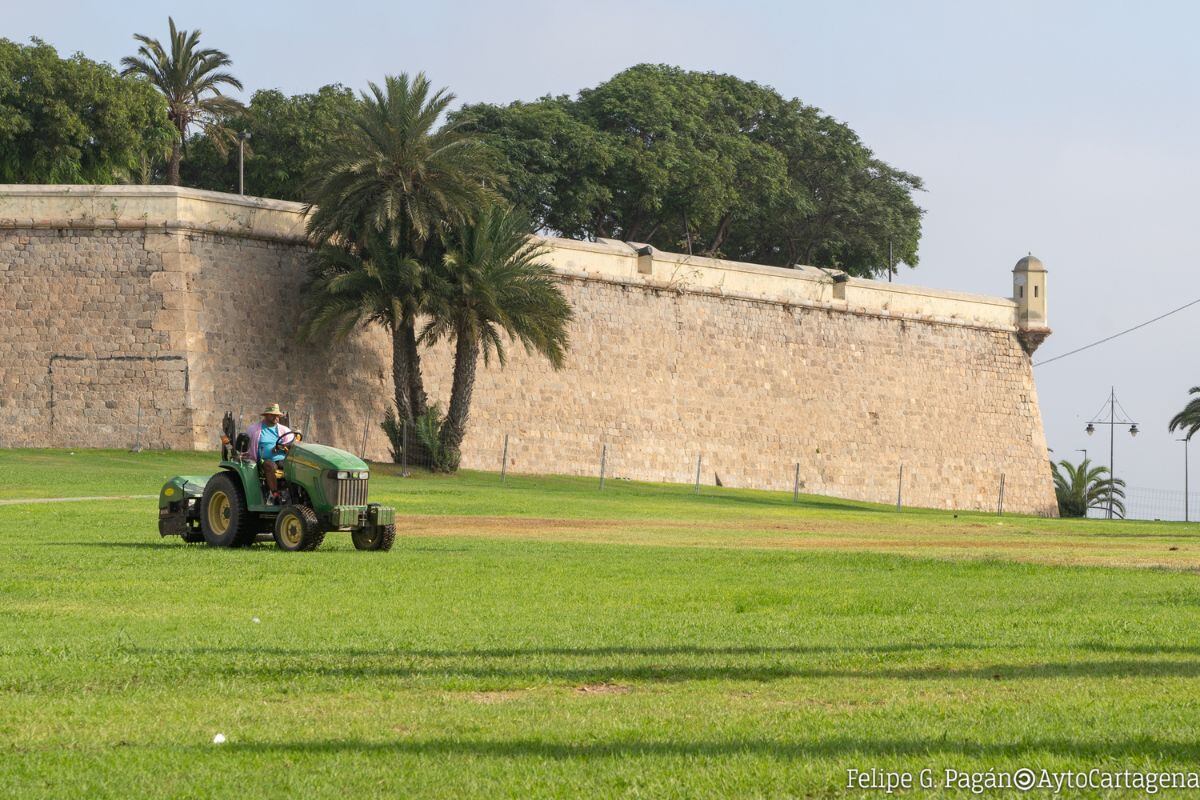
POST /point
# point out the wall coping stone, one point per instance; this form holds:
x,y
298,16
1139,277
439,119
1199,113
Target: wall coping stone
x,y
175,208
150,208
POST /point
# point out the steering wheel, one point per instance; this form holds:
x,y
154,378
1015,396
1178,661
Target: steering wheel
x,y
287,440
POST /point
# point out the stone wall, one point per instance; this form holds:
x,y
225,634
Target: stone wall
x,y
136,314
115,297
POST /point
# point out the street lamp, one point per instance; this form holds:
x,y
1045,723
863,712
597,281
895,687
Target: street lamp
x,y
242,136
1112,422
1185,441
1082,450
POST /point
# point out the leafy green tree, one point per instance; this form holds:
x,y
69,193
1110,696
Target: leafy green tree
x,y
1189,418
708,164
554,162
190,79
388,192
1080,487
290,137
72,120
491,286
686,164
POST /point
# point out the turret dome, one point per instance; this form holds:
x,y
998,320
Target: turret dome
x,y
1029,263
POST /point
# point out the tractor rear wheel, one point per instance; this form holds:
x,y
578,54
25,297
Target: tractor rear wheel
x,y
380,537
297,528
224,518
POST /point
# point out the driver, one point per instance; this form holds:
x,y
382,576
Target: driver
x,y
263,438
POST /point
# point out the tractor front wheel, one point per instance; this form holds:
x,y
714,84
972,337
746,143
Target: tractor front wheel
x,y
379,537
297,529
224,518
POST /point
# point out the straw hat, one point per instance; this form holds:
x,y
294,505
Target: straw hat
x,y
272,409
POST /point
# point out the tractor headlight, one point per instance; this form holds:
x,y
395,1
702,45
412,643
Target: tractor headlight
x,y
363,475
342,475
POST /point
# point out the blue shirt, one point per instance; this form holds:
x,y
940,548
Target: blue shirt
x,y
267,438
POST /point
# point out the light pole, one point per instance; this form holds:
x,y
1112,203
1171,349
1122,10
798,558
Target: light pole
x,y
1082,450
1112,422
1185,441
242,137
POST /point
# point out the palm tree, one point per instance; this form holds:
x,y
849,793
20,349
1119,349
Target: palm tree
x,y
1189,418
491,285
190,79
1081,487
371,283
398,174
399,182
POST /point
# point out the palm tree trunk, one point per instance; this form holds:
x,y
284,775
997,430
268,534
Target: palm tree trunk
x,y
466,359
407,384
173,163
418,401
401,374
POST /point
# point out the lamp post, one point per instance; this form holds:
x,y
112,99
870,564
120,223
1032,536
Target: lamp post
x,y
1112,422
1082,450
1185,441
242,136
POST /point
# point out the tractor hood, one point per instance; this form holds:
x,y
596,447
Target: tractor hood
x,y
318,456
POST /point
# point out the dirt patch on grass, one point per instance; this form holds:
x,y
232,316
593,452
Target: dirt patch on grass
x,y
472,526
603,688
965,540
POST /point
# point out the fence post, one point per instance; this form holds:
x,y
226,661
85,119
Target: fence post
x,y
796,485
603,460
900,487
504,460
404,447
699,459
137,442
362,451
1000,500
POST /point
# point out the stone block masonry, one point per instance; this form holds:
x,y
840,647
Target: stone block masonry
x,y
113,298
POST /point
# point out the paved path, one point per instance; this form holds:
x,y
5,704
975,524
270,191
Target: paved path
x,y
24,500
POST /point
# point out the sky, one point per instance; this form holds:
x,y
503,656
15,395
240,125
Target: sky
x,y
1065,129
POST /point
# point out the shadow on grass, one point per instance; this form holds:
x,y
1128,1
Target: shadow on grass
x,y
781,503
175,544
1155,749
651,665
1144,649
569,652
163,545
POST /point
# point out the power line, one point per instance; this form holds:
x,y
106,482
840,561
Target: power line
x,y
1122,333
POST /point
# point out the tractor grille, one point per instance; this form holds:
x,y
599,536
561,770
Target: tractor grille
x,y
351,492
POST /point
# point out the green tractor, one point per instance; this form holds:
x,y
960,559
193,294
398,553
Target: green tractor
x,y
323,489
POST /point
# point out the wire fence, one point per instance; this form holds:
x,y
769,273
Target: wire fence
x,y
701,468
1166,505
411,449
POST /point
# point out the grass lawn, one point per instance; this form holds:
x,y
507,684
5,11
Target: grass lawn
x,y
543,639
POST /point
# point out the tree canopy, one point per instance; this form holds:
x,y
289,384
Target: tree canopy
x,y
73,120
704,163
290,136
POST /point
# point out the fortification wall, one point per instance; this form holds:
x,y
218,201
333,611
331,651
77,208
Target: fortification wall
x,y
132,313
111,297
